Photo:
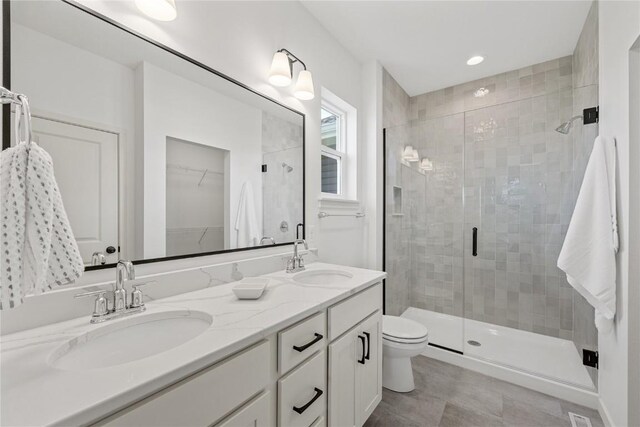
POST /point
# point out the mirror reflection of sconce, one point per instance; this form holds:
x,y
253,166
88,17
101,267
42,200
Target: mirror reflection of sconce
x,y
410,154
282,71
160,10
426,164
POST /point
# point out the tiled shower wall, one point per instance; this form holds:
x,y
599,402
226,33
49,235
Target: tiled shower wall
x,y
281,145
398,228
519,190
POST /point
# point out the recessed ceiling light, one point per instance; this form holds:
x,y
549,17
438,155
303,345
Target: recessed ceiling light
x,y
475,60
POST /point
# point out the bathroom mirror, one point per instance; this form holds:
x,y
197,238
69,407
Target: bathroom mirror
x,y
156,155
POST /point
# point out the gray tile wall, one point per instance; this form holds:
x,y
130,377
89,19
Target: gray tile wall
x,y
400,248
585,94
281,143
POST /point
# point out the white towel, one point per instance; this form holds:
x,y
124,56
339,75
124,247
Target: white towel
x,y
247,227
38,247
588,254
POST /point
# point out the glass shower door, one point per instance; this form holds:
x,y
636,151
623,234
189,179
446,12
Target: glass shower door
x,y
518,202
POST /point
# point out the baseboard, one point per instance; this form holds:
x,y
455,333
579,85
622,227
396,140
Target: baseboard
x,y
604,414
543,385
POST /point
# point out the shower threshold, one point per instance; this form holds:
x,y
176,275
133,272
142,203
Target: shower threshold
x,y
540,362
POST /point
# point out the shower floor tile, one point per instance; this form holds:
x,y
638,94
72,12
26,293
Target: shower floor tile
x,y
448,395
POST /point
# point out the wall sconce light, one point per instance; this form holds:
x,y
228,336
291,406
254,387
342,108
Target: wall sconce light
x,y
282,71
161,10
410,154
426,164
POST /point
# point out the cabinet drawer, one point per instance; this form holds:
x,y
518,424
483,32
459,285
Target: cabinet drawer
x,y
254,414
302,394
344,315
300,341
204,397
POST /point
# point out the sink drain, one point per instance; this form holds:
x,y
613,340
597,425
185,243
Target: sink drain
x,y
474,343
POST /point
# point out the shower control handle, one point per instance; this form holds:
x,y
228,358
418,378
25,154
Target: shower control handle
x,y
474,249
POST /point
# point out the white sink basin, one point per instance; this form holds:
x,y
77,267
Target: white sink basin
x,y
130,339
323,277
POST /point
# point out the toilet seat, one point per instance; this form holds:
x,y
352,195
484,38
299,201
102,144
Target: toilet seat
x,y
403,331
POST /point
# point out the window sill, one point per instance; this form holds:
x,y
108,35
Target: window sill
x,y
328,201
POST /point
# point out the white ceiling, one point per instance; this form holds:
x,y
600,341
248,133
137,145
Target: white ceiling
x,y
425,44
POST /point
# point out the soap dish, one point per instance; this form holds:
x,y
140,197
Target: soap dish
x,y
250,288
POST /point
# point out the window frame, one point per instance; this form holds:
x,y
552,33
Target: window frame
x,y
340,152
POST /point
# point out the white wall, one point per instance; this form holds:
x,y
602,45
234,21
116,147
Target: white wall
x,y
239,39
206,118
71,98
619,28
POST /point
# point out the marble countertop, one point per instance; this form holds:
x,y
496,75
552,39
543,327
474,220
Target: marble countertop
x,y
35,393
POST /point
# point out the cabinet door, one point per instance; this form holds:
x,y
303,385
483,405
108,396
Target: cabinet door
x,y
342,380
369,374
257,413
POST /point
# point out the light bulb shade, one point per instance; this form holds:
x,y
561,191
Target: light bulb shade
x,y
280,74
426,164
161,10
304,86
410,154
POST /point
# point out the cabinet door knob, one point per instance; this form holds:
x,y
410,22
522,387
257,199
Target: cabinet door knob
x,y
368,335
301,409
361,338
302,348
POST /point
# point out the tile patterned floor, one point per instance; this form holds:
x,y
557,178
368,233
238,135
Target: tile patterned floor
x,y
449,396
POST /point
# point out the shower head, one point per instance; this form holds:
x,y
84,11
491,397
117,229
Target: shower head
x,y
565,127
287,167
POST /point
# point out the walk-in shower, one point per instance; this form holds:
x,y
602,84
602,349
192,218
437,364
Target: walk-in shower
x,y
471,243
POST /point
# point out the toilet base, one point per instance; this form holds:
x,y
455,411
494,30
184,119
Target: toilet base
x,y
397,374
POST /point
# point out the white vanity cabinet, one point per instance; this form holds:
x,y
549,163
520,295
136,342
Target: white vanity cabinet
x,y
355,359
325,370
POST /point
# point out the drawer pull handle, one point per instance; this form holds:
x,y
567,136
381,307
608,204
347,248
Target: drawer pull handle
x,y
368,335
301,409
302,348
361,338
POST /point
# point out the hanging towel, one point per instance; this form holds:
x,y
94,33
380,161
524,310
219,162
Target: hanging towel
x,y
588,255
38,247
246,222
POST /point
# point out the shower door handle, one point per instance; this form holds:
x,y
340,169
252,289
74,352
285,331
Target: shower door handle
x,y
474,249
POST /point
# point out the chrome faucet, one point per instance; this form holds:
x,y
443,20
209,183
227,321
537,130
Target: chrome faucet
x,y
296,263
98,258
270,239
125,272
119,294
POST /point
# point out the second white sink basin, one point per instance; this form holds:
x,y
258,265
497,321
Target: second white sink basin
x,y
323,277
130,339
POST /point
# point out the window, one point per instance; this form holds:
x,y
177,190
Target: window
x,y
332,151
338,124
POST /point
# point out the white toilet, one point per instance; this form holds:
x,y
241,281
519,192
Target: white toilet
x,y
402,339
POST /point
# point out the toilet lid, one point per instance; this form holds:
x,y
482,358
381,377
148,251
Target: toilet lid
x,y
402,328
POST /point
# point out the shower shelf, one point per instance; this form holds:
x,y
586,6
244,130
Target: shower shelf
x,y
397,201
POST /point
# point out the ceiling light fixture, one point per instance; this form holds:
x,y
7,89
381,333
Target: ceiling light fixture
x,y
475,60
161,10
282,71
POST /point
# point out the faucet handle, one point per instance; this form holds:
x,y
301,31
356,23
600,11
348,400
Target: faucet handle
x,y
136,294
100,305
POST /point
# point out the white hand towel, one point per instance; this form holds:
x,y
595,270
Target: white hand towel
x,y
39,250
246,223
588,255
